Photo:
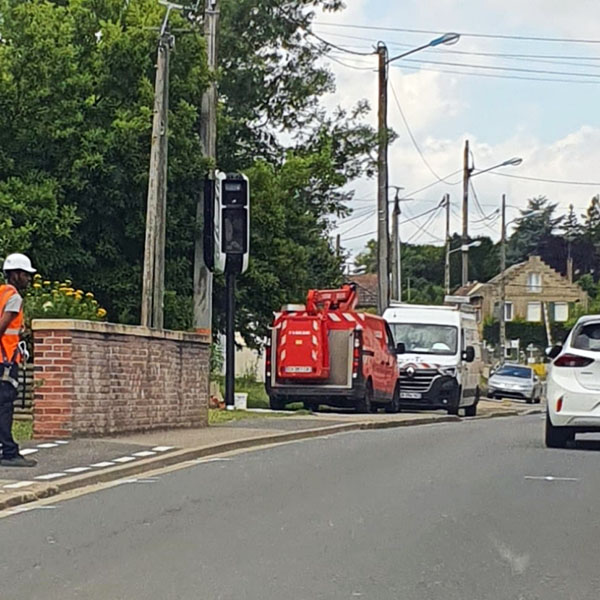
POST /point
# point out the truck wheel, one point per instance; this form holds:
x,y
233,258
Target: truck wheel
x,y
557,437
276,403
365,404
394,405
312,406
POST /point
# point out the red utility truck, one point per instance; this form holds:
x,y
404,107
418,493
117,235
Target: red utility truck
x,y
325,352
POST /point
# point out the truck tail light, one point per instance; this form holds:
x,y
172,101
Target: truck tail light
x,y
356,353
268,359
573,360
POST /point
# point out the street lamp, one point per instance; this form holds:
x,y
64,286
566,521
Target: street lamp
x,y
461,248
469,172
383,254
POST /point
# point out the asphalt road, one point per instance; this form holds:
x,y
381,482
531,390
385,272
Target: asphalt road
x,y
448,511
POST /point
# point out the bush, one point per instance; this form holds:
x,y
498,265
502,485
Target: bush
x,y
58,300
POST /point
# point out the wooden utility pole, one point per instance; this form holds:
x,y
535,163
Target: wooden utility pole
x,y
396,256
465,216
502,281
447,253
203,280
383,271
154,251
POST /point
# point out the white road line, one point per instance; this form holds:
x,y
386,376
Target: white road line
x,y
19,484
124,459
48,445
101,465
550,478
78,469
27,451
144,453
50,476
61,442
162,448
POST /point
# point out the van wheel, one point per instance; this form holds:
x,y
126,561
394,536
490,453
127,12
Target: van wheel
x,y
471,411
453,408
276,403
365,404
312,406
394,405
557,437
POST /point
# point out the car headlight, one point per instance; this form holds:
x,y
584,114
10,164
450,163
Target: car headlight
x,y
448,371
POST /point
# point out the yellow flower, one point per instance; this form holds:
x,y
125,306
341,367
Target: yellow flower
x,y
46,283
89,295
68,282
69,292
79,292
37,286
37,276
101,313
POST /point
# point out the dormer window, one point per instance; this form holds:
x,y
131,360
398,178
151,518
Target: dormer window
x,y
534,283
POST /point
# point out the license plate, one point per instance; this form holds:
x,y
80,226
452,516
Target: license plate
x,y
410,395
298,369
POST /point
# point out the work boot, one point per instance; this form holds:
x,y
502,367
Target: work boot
x,y
18,461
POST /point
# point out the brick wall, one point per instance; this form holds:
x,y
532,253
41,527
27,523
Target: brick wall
x,y
94,379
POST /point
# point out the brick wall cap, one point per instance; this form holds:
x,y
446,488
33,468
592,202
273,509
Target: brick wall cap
x,y
117,329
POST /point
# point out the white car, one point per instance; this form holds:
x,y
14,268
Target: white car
x,y
573,384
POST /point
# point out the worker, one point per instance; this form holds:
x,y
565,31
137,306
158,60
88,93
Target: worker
x,y
17,274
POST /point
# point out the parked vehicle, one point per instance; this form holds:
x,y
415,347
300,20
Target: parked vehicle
x,y
515,381
573,384
441,365
325,352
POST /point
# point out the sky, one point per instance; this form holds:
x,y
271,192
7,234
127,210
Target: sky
x,y
506,109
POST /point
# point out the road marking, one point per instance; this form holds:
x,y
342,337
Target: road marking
x,y
48,445
61,442
124,459
144,453
19,484
163,448
27,451
201,461
50,476
549,478
101,465
137,480
78,469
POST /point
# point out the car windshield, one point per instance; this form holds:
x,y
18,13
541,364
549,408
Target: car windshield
x,y
513,371
587,337
426,339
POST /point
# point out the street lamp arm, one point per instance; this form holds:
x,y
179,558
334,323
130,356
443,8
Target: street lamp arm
x,y
447,39
513,162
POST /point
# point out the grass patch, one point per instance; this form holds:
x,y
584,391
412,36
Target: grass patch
x,y
22,430
257,395
216,417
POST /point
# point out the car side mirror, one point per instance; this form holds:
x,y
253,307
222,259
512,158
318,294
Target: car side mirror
x,y
400,348
553,351
469,354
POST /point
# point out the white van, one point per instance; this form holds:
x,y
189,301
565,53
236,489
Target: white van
x,y
441,364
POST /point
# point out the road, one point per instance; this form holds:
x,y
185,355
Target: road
x,y
455,511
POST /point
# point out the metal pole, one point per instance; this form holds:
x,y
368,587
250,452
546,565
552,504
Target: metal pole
x,y
383,292
447,260
395,257
465,216
230,341
502,281
156,187
203,281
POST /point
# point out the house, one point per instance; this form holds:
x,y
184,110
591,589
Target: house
x,y
366,287
533,290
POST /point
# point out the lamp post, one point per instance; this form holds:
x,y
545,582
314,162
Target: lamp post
x,y
468,173
461,248
383,250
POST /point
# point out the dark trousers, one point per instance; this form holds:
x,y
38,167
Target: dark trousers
x,y
8,395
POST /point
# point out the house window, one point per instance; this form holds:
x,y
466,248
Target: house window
x,y
561,312
534,283
534,312
508,311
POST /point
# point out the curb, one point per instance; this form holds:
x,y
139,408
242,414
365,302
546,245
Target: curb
x,y
180,456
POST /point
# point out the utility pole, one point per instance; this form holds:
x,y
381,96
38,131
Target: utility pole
x,y
154,250
383,272
465,215
396,255
447,260
502,281
203,280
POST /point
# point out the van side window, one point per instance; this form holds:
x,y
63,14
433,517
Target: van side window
x,y
389,338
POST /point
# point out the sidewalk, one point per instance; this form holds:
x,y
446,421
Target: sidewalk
x,y
65,466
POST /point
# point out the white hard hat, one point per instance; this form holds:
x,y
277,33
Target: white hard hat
x,y
18,262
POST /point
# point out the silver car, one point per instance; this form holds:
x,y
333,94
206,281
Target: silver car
x,y
515,381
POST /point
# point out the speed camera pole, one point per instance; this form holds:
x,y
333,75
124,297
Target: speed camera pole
x,y
230,340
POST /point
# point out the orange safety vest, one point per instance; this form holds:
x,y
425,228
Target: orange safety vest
x,y
12,336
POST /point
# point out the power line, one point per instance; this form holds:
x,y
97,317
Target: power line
x,y
542,180
412,137
422,229
529,38
364,220
332,45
